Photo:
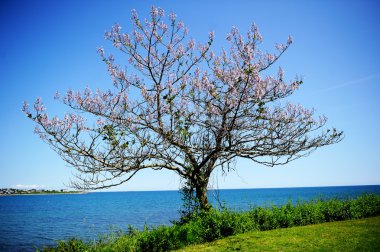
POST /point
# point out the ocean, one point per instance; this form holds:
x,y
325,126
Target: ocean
x,y
28,222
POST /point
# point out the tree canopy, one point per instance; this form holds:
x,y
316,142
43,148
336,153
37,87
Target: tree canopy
x,y
178,105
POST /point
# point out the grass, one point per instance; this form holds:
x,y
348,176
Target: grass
x,y
352,235
217,224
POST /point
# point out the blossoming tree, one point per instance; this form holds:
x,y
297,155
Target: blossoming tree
x,y
179,106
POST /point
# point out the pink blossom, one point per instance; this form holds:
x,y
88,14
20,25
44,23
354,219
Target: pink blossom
x,y
134,14
163,26
254,33
280,47
111,58
191,44
295,85
126,39
149,24
154,12
170,46
39,106
180,51
229,37
100,122
172,16
43,119
180,25
100,50
212,55
40,133
176,39
121,74
108,35
144,92
87,92
211,35
57,95
270,57
25,108
234,31
116,43
138,36
280,73
116,30
205,81
161,12
290,40
202,48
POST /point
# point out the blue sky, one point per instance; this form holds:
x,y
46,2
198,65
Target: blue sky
x,y
50,45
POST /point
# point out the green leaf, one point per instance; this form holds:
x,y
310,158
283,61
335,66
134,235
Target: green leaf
x,y
125,145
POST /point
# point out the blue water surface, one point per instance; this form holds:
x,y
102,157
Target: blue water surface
x,y
28,222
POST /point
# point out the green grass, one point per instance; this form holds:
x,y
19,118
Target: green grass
x,y
217,224
352,235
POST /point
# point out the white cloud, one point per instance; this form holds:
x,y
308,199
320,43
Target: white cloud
x,y
30,186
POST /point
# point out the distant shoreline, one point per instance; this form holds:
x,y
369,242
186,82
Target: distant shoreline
x,y
34,194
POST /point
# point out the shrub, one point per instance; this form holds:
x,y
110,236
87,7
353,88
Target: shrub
x,y
216,224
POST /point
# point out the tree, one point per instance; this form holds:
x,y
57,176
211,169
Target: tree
x,y
179,106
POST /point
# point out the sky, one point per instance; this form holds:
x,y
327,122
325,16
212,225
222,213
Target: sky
x,y
48,46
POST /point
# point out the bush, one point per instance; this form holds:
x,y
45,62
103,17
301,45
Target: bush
x,y
216,224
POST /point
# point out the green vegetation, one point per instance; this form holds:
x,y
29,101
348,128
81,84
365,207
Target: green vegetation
x,y
215,224
352,235
12,191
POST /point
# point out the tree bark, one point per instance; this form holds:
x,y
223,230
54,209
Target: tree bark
x,y
201,194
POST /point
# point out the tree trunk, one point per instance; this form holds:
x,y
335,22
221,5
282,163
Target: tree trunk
x,y
201,194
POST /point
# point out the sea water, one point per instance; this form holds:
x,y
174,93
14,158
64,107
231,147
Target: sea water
x,y
28,222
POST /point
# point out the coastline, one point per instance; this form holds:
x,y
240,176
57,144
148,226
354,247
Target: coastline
x,y
34,194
